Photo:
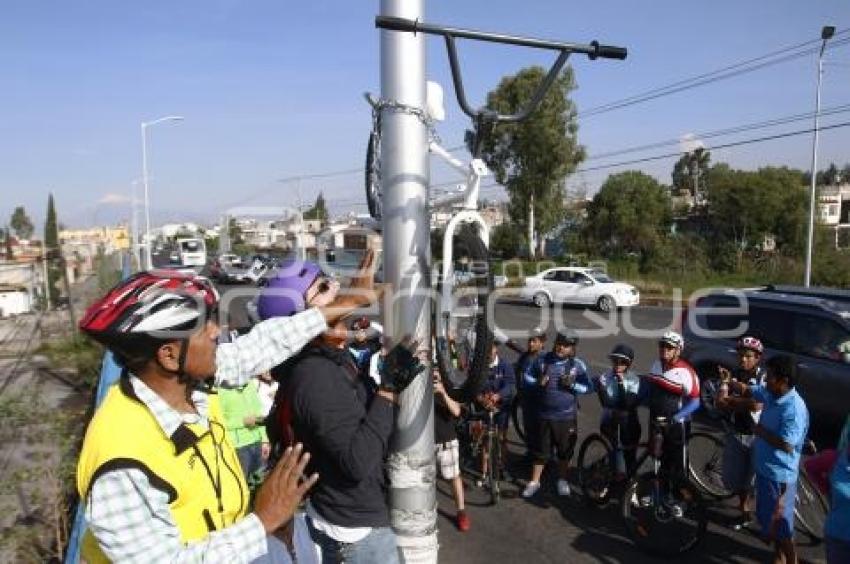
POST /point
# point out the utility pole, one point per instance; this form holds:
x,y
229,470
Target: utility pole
x,y
405,178
826,33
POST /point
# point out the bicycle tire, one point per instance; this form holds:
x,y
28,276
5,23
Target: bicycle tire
x,y
516,418
468,246
595,472
494,474
705,465
810,508
649,531
372,175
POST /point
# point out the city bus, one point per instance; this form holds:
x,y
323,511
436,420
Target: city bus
x,y
192,252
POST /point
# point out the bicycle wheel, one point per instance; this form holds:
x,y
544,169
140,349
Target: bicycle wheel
x,y
651,516
373,174
494,474
595,470
464,329
705,465
810,508
516,417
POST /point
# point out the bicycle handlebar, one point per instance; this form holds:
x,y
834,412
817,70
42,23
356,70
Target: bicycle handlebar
x,y
593,50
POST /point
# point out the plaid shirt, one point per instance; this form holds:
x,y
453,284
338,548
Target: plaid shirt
x,y
131,519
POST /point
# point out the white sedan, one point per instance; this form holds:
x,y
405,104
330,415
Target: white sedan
x,y
574,285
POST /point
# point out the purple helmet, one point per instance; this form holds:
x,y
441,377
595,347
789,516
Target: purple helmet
x,y
284,294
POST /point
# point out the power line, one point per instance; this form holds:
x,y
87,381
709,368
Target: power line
x,y
715,147
743,67
727,131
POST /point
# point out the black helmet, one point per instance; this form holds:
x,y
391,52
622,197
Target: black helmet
x,y
622,351
566,337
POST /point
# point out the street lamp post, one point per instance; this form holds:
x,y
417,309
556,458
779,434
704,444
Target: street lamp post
x,y
144,127
826,33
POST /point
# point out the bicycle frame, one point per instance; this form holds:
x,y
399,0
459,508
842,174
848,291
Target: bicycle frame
x,y
467,196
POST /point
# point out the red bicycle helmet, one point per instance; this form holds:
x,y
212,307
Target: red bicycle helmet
x,y
140,311
750,343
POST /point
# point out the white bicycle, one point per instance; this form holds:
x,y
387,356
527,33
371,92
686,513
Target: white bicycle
x,y
462,331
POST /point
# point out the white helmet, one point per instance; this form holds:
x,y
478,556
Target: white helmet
x,y
672,338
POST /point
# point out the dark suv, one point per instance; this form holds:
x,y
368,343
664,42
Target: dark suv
x,y
813,325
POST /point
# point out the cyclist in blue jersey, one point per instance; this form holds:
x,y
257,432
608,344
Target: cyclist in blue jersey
x,y
560,377
618,389
528,390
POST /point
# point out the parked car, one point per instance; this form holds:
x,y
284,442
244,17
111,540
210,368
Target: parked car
x,y
223,267
578,285
812,325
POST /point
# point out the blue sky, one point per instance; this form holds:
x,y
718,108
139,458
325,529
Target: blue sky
x,y
274,89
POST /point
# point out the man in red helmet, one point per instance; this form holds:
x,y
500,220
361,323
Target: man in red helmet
x,y
157,473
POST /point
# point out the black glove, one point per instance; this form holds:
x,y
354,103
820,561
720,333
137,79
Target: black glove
x,y
399,369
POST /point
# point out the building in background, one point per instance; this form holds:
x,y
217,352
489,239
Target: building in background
x,y
834,212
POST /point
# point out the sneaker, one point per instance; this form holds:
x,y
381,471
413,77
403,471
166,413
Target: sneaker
x,y
530,489
563,488
462,521
674,507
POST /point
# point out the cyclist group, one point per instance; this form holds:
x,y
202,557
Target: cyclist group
x,y
158,475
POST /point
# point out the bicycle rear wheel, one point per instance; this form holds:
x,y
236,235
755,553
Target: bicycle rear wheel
x,y
595,470
651,520
810,508
463,335
705,465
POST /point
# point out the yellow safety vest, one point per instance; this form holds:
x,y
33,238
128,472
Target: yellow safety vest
x,y
196,467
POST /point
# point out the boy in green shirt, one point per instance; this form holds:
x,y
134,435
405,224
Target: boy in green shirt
x,y
243,417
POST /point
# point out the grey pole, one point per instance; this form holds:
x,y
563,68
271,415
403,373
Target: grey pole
x,y
405,179
826,33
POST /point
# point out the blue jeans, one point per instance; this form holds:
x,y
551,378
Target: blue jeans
x,y
379,546
250,458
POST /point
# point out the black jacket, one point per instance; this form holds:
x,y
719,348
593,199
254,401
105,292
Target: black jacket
x,y
346,434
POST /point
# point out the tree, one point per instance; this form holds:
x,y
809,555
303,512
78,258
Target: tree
x,y
319,209
690,171
7,243
21,223
533,158
630,214
506,241
51,243
51,232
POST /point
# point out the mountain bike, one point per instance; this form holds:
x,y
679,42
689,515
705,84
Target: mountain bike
x,y
462,331
663,516
601,464
479,434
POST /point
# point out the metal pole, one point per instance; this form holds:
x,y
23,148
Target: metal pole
x,y
406,230
148,258
807,277
134,227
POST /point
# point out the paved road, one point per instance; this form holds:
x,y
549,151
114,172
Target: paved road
x,y
557,530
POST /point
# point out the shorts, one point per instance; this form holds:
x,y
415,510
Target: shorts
x,y
767,495
448,459
557,438
738,469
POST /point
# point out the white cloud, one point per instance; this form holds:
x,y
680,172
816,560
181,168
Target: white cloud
x,y
689,143
112,198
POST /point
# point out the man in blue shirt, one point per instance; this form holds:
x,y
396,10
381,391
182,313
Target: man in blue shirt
x,y
560,376
780,434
